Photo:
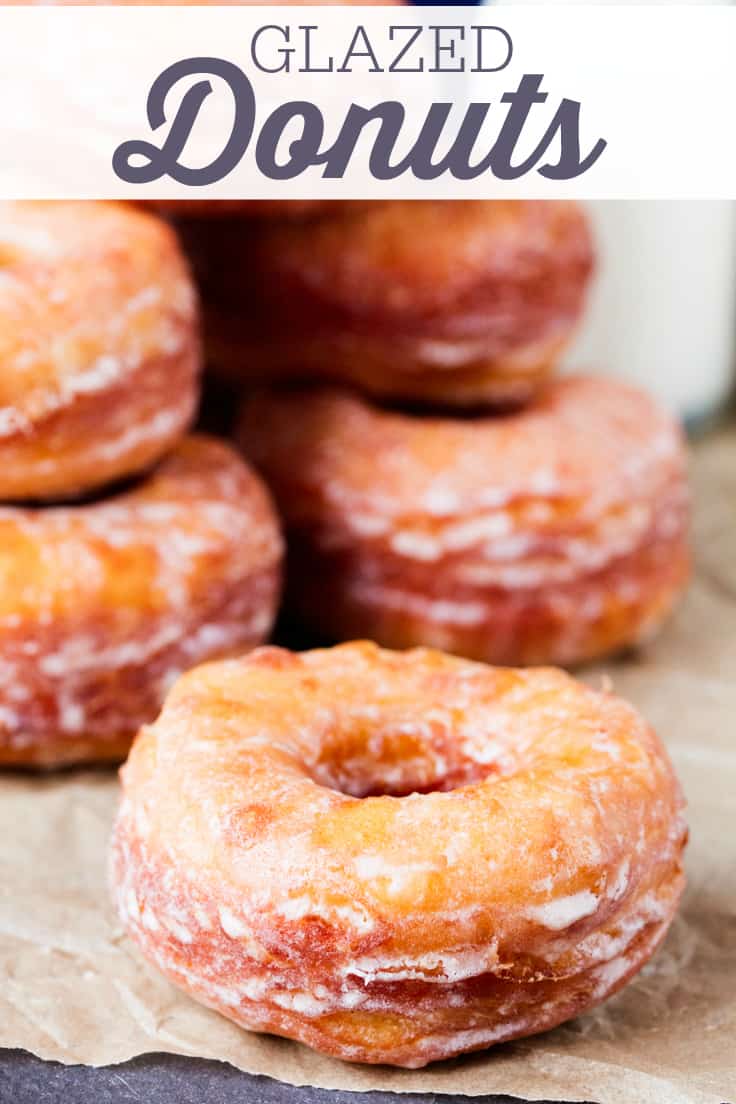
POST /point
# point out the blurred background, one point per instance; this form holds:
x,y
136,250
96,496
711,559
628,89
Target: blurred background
x,y
662,307
662,312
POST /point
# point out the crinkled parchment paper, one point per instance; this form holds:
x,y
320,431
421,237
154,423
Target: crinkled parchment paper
x,y
73,989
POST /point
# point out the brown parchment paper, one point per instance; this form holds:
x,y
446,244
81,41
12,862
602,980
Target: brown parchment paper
x,y
73,989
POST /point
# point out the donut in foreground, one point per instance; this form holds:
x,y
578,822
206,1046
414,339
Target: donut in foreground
x,y
555,534
98,343
453,302
396,857
102,605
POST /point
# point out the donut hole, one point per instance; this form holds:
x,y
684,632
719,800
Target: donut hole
x,y
396,760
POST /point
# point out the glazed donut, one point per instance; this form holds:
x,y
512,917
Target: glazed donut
x,y
454,302
98,342
396,857
551,535
102,605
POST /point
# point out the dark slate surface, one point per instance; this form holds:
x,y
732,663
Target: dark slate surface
x,y
167,1079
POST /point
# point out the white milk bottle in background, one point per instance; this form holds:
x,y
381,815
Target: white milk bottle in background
x,y
662,310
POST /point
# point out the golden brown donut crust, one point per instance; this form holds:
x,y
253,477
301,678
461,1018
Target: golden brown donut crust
x,y
396,857
99,346
556,534
104,604
457,302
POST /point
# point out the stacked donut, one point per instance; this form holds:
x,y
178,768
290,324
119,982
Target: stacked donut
x,y
439,485
128,550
